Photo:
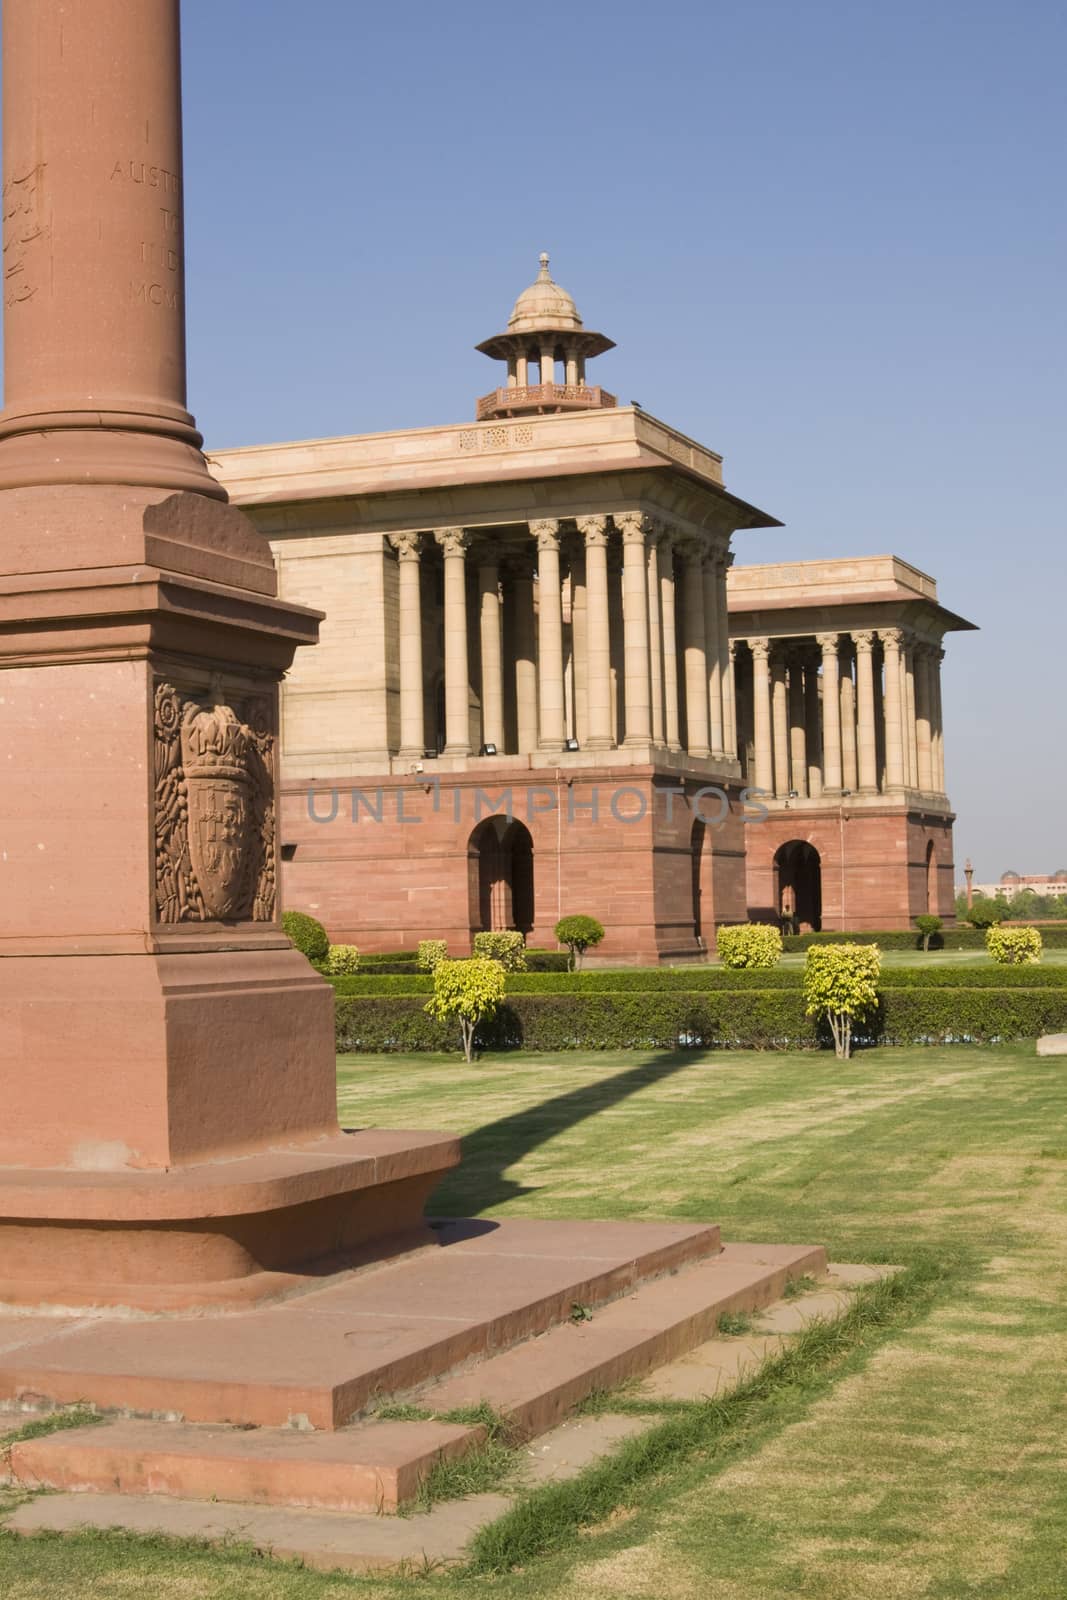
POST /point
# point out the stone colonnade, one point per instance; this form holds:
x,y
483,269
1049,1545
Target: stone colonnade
x,y
594,631
856,712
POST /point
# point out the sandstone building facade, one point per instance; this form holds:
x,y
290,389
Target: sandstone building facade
x,y
543,687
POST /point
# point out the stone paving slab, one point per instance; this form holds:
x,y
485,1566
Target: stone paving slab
x,y
326,1540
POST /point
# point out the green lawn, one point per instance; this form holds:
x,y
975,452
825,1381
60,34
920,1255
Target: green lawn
x,y
931,1463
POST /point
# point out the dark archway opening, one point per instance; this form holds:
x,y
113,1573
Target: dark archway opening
x,y
700,840
502,876
931,878
798,886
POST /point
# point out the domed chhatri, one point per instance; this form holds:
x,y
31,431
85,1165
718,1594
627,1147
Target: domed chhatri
x,y
544,327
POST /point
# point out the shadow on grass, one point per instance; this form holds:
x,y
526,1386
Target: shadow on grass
x,y
488,1152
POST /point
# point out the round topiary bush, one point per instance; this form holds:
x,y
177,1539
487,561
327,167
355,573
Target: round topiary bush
x,y
342,960
308,935
749,944
1013,947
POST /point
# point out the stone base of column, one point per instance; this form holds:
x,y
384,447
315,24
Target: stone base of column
x,y
455,750
552,747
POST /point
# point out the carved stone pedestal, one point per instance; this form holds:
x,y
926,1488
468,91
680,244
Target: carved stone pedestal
x,y
169,1136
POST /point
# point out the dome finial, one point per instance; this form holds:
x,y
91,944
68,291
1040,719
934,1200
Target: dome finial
x,y
543,275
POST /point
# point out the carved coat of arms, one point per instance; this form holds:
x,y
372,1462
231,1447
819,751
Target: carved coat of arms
x,y
214,811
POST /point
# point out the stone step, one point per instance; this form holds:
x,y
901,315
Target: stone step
x,y
377,1466
536,1384
326,1357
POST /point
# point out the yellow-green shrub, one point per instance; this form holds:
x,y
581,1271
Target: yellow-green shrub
x,y
341,959
750,944
470,991
430,952
507,947
841,984
1013,947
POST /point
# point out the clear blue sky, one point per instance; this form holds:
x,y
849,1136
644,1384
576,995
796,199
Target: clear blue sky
x,y
828,239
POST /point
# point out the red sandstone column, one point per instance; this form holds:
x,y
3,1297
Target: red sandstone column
x,y
94,319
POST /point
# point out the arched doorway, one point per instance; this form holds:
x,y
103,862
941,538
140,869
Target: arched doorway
x,y
931,878
798,886
500,854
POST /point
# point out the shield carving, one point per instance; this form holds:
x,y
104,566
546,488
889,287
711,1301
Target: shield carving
x,y
217,757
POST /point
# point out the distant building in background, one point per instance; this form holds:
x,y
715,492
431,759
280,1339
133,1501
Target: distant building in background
x,y
542,687
1010,884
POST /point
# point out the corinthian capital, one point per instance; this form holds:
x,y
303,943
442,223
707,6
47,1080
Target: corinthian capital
x,y
892,638
827,643
406,545
453,541
546,531
594,530
761,649
634,526
864,641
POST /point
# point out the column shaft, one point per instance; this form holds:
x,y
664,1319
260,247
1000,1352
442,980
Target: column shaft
x,y
761,714
655,636
549,633
492,664
812,732
894,742
696,667
849,766
798,743
453,542
831,712
525,664
865,740
729,708
711,645
924,719
780,718
910,717
598,633
669,627
409,638
634,529
939,721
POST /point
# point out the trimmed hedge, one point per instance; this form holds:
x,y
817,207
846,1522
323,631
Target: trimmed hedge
x,y
1053,934
753,1019
656,980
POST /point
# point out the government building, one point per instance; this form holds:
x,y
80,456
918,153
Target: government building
x,y
543,685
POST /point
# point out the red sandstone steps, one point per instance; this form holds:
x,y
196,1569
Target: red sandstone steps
x,y
378,1466
325,1358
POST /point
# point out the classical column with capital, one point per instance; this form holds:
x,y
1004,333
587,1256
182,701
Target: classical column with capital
x,y
594,532
696,667
409,630
492,663
761,714
894,740
780,721
711,648
729,706
726,680
634,528
549,633
454,542
669,626
831,712
655,632
866,748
